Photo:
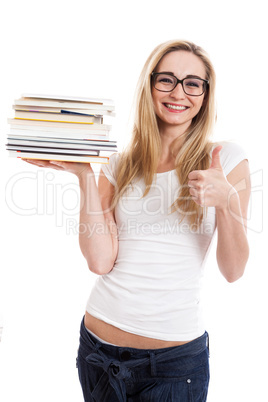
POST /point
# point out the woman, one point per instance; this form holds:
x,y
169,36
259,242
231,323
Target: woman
x,y
153,217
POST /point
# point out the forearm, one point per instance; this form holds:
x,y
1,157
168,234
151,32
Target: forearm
x,y
232,248
96,238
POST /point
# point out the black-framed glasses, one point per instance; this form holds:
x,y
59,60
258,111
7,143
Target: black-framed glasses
x,y
167,82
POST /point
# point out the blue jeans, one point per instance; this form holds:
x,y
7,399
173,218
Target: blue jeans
x,y
119,374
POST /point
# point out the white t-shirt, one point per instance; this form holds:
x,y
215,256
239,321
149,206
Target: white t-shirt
x,y
154,288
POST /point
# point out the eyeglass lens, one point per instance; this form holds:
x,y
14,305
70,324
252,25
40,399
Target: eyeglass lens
x,y
166,83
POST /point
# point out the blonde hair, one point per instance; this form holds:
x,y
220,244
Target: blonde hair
x,y
141,156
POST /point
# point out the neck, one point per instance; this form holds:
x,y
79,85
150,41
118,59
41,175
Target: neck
x,y
168,134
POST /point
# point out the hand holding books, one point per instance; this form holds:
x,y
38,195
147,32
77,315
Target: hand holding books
x,y
77,168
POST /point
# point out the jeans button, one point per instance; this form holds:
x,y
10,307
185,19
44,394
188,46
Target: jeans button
x,y
126,355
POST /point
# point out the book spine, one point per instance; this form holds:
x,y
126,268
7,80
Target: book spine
x,y
67,105
66,158
57,125
59,134
65,117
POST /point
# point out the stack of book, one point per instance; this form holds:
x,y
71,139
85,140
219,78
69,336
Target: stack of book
x,y
61,128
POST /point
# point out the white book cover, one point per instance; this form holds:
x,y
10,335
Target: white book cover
x,y
70,98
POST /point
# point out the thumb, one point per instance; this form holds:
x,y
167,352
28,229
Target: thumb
x,y
215,158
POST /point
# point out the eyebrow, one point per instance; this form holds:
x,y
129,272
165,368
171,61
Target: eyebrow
x,y
187,76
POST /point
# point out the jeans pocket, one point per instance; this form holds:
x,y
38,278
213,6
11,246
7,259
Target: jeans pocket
x,y
190,375
198,385
162,390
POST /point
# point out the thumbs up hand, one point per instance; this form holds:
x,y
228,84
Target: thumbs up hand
x,y
210,188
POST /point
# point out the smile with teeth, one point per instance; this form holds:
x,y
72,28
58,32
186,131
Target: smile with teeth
x,y
175,107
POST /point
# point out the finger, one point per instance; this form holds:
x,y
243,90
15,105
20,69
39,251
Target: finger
x,y
194,192
41,163
197,200
215,158
57,163
194,175
34,162
192,183
197,197
196,184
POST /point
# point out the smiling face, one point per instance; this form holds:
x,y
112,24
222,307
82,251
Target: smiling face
x,y
175,108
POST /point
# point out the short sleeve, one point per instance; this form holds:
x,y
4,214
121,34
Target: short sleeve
x,y
109,169
231,155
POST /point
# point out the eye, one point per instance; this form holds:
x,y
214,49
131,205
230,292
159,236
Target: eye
x,y
164,79
193,83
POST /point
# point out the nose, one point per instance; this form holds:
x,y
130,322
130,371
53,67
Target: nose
x,y
178,91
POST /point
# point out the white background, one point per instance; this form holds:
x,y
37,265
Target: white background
x,y
97,49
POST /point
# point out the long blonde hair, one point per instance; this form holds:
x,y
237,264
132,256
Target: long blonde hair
x,y
141,156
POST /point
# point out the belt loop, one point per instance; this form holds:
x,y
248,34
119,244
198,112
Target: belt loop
x,y
152,363
208,345
96,346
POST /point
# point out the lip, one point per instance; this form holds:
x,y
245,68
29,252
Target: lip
x,y
174,110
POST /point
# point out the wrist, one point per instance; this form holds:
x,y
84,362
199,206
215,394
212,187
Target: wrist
x,y
85,174
231,202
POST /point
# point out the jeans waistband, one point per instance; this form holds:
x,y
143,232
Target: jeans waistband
x,y
191,348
